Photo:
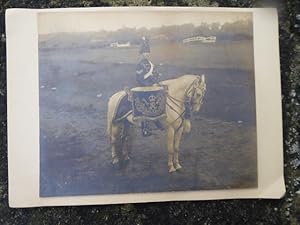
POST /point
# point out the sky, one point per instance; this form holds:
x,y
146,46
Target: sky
x,y
110,21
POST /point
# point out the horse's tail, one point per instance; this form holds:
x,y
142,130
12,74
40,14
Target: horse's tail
x,y
109,117
111,111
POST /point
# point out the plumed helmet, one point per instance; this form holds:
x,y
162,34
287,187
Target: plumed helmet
x,y
145,48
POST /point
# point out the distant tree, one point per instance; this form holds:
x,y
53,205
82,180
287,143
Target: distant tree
x,y
238,27
202,30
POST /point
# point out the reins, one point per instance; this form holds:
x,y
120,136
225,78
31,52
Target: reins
x,y
177,102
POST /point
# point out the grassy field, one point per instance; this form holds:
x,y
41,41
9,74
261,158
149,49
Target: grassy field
x,y
75,85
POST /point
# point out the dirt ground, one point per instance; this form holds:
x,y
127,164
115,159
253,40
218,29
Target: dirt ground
x,y
75,85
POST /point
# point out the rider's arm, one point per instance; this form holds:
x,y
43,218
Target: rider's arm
x,y
140,75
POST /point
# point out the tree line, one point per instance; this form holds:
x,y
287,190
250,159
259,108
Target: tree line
x,y
238,30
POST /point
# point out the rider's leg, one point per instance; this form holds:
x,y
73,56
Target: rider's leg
x,y
160,124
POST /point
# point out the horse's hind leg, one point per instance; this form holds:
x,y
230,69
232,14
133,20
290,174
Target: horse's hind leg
x,y
128,139
178,136
115,139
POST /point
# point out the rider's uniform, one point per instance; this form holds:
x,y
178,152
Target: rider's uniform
x,y
145,47
145,73
146,76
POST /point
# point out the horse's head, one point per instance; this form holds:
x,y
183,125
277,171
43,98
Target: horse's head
x,y
197,93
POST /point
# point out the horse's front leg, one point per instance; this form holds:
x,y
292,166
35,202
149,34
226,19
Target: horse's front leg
x,y
171,149
177,136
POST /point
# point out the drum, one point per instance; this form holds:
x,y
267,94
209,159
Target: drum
x,y
148,103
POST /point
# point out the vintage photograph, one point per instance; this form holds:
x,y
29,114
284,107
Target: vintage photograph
x,y
146,102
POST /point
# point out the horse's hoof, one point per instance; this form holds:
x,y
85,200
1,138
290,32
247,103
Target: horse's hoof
x,y
125,162
172,169
115,161
127,158
178,166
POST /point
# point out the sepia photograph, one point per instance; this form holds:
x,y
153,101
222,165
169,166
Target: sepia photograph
x,y
146,102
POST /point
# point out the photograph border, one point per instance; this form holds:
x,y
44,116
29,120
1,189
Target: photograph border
x,y
23,113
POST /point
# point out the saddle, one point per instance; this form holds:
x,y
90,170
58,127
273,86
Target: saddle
x,y
124,107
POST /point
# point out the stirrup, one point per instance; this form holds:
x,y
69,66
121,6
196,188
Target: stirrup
x,y
146,133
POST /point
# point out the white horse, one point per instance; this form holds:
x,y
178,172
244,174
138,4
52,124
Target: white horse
x,y
185,95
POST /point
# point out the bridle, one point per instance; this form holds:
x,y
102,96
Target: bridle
x,y
188,101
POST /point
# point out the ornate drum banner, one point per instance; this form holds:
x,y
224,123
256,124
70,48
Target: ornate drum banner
x,y
148,103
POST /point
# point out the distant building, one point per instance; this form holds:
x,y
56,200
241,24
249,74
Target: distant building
x,y
97,41
160,37
210,39
120,45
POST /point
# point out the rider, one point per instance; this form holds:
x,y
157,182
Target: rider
x,y
147,76
145,72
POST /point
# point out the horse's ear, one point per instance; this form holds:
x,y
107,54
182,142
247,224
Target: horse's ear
x,y
202,78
